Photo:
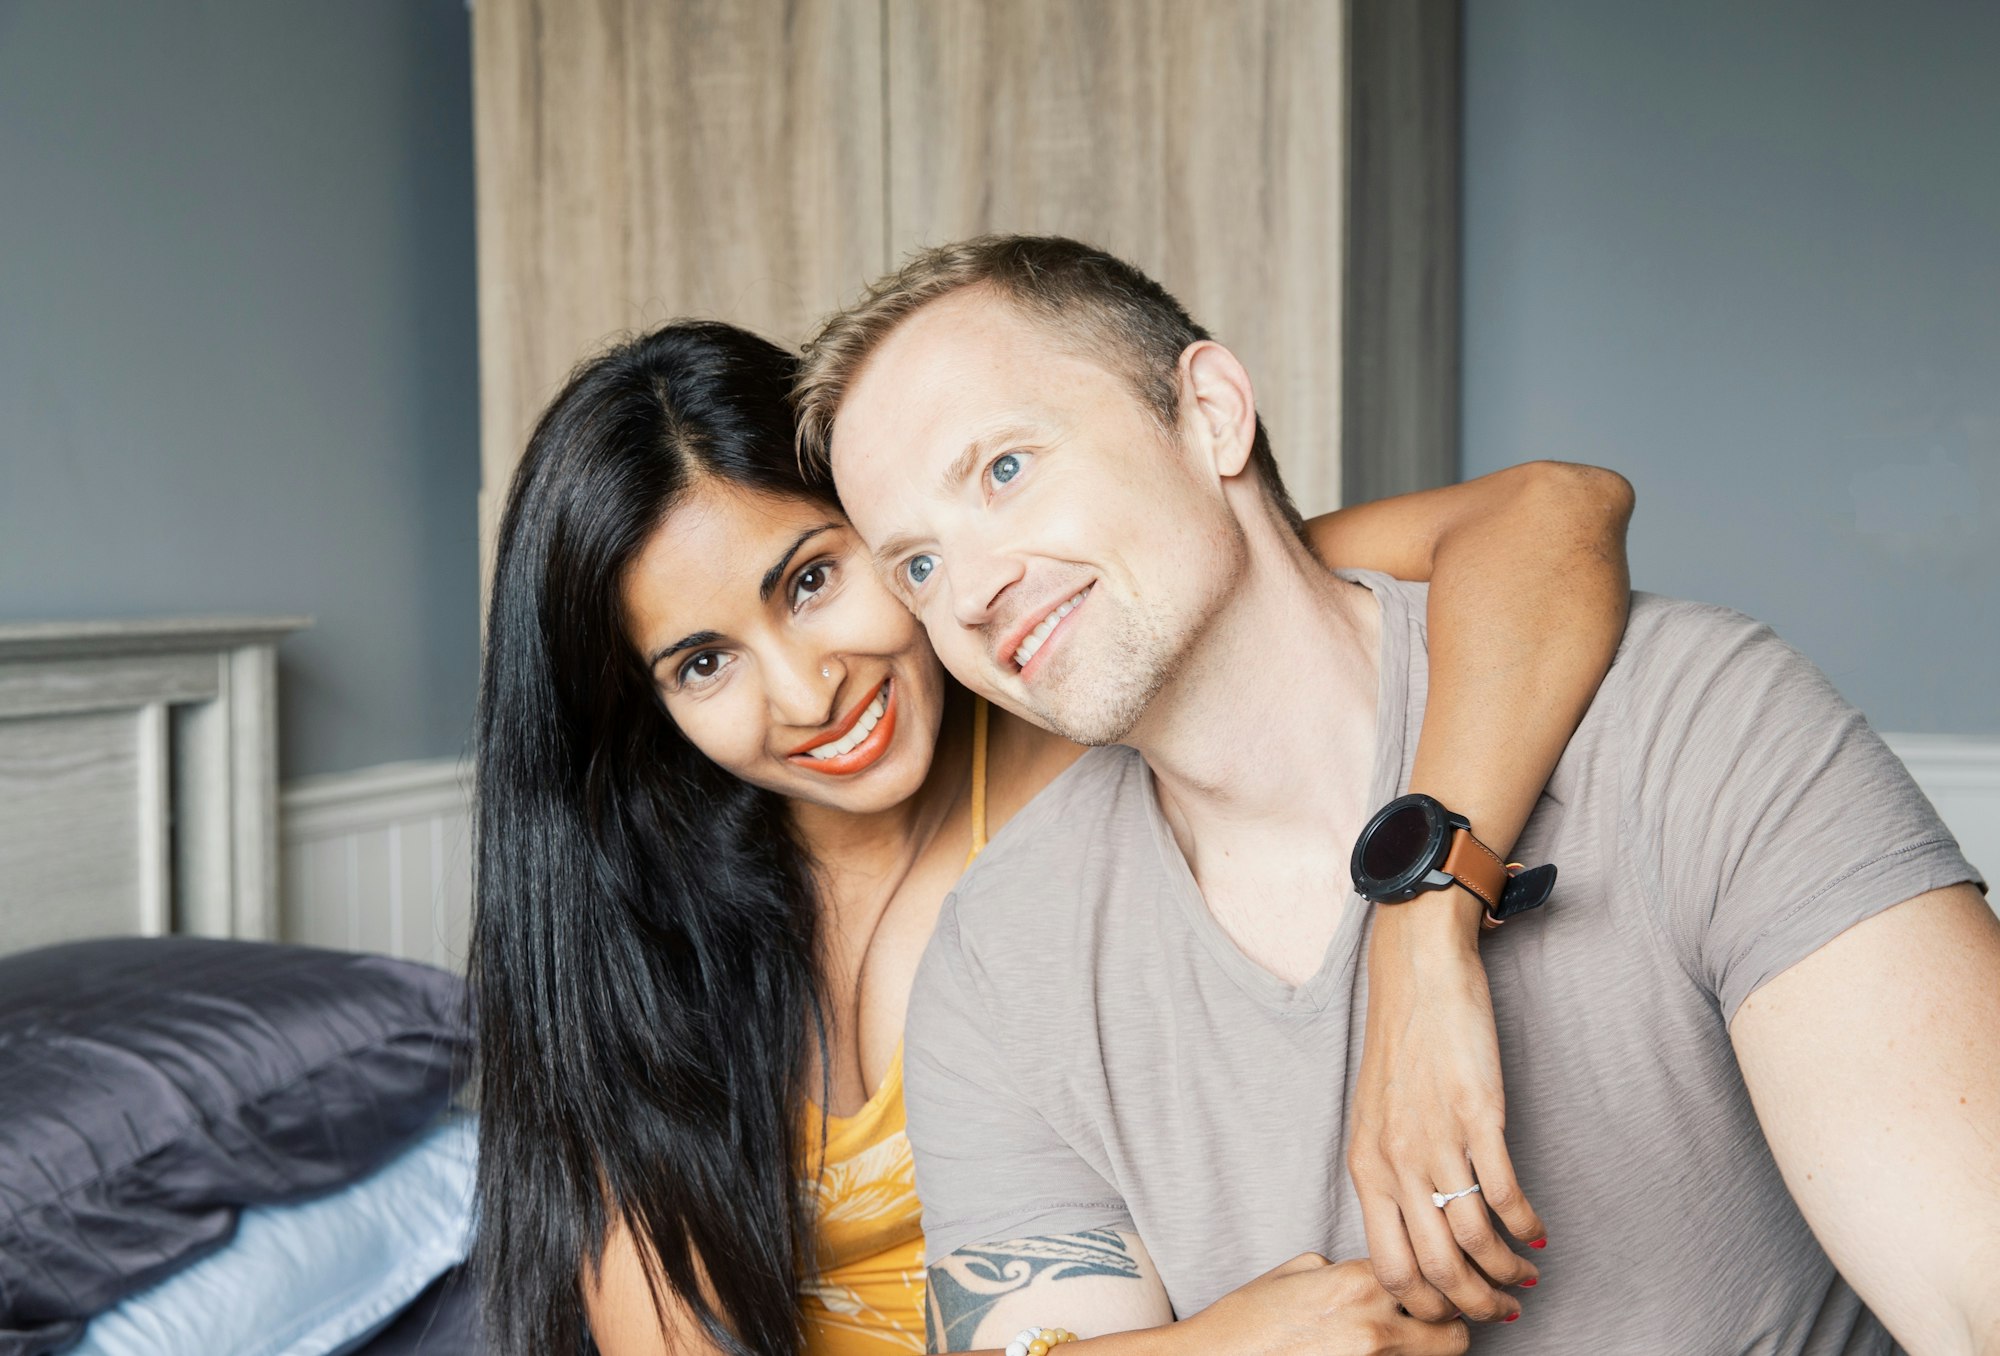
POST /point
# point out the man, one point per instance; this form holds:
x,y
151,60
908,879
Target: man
x,y
1754,1037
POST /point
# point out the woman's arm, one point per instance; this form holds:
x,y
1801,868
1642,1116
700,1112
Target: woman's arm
x,y
1527,603
1528,599
1306,1307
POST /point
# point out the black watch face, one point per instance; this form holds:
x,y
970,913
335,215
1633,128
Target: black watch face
x,y
1398,848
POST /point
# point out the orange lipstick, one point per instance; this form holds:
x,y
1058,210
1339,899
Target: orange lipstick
x,y
862,755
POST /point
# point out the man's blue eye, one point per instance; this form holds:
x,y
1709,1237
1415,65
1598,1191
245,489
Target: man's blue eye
x,y
1005,468
920,567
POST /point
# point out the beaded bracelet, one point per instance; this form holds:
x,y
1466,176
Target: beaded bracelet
x,y
1037,1341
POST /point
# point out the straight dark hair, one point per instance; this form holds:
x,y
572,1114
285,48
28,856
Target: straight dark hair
x,y
644,957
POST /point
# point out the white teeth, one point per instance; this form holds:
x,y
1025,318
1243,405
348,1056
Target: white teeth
x,y
846,743
1041,633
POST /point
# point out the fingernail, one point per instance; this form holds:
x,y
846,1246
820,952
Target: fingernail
x,y
1539,1243
1511,1317
1531,1280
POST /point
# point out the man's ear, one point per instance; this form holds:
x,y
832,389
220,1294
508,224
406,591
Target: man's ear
x,y
1218,406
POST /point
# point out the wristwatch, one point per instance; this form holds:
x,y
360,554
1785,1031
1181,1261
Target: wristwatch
x,y
1414,844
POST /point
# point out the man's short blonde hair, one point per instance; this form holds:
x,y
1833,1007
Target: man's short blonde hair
x,y
1095,303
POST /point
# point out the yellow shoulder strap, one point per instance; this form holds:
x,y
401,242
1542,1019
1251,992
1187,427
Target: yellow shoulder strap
x,y
980,712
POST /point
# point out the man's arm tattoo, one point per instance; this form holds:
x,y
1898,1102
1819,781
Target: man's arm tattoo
x,y
965,1286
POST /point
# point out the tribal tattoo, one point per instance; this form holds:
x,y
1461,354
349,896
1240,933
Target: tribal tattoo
x,y
965,1286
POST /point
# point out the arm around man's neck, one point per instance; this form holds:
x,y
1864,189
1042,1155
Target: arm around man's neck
x,y
1528,600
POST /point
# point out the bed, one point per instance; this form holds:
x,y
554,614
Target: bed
x,y
210,1142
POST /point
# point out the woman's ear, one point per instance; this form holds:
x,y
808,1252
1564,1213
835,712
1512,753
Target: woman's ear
x,y
1218,406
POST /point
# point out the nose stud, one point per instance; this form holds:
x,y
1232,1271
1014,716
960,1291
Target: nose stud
x,y
825,672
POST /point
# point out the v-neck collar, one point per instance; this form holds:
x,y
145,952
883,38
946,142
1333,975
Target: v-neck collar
x,y
1392,708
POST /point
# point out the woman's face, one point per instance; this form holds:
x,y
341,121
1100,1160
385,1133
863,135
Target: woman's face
x,y
779,654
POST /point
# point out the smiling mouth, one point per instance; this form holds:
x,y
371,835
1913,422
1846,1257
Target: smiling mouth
x,y
862,739
1035,638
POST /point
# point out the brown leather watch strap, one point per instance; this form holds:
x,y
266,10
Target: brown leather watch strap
x,y
1474,866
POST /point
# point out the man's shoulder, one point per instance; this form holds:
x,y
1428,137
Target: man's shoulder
x,y
1030,902
1678,653
1658,628
1673,649
1100,804
1662,624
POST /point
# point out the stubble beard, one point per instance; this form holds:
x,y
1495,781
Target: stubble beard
x,y
1098,698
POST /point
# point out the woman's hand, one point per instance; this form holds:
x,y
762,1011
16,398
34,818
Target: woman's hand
x,y
1313,1307
1429,1115
1528,599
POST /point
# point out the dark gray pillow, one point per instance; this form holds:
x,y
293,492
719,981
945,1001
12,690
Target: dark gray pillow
x,y
152,1087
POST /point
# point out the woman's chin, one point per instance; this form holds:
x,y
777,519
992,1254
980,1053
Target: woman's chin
x,y
883,785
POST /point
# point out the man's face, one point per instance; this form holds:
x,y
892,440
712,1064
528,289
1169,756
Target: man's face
x,y
1062,549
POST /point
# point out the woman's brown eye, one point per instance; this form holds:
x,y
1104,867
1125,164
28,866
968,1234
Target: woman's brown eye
x,y
811,580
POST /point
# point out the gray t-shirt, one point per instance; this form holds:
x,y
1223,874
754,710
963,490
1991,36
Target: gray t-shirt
x,y
1087,1048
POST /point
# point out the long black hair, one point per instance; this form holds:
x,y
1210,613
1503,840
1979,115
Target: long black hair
x,y
644,957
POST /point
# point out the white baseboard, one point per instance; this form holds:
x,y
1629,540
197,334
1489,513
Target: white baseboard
x,y
1961,775
380,860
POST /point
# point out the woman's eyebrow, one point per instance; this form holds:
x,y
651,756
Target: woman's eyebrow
x,y
776,572
764,590
687,642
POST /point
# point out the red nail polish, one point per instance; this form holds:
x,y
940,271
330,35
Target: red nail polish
x,y
1539,1243
1531,1280
1511,1317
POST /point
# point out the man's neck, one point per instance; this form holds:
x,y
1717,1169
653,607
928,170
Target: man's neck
x,y
1265,739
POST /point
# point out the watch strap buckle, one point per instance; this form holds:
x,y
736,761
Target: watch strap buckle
x,y
1526,888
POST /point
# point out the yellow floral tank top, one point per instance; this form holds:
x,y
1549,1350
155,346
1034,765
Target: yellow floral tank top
x,y
868,1298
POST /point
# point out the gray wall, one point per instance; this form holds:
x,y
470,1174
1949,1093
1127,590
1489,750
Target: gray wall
x,y
237,341
1749,255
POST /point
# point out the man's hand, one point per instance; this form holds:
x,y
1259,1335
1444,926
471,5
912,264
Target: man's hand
x,y
1313,1307
1429,1113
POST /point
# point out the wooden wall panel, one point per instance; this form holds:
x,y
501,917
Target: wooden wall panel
x,y
639,161
1400,406
1202,139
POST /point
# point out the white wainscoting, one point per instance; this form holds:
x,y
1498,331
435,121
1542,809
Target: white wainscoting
x,y
380,860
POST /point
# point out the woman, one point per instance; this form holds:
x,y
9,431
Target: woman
x,y
692,933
